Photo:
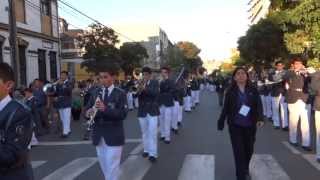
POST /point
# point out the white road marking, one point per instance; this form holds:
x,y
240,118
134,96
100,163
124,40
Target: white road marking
x,y
137,150
134,168
311,158
72,170
265,167
291,148
198,166
67,143
36,164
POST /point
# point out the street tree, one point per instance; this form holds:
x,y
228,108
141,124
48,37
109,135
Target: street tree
x,y
191,53
100,50
262,44
132,55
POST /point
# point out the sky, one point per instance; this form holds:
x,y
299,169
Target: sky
x,y
213,25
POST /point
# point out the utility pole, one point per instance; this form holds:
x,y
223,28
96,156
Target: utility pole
x,y
13,41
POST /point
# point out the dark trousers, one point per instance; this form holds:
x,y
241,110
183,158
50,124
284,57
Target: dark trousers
x,y
76,112
242,140
220,97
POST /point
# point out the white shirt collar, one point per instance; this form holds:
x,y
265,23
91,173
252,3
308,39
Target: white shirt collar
x,y
110,88
4,102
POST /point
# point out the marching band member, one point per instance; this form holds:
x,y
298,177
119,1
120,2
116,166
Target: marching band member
x,y
315,86
297,98
108,108
63,102
148,113
187,96
278,99
194,89
15,131
178,102
166,103
263,91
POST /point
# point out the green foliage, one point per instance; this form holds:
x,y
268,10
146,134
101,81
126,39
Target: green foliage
x,y
315,63
190,52
99,44
262,44
131,55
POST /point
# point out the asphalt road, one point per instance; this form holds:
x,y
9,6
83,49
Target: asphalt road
x,y
198,152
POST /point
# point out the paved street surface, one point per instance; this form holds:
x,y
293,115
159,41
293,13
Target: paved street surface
x,y
199,152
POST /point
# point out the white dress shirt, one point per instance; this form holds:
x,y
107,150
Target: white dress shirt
x,y
4,102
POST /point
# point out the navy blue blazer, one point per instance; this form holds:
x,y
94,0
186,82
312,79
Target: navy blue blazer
x,y
109,123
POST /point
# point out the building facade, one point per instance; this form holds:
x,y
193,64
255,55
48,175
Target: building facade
x,y
158,49
37,38
258,9
71,53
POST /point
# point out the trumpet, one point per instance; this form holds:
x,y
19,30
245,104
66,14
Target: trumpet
x,y
50,87
141,85
92,115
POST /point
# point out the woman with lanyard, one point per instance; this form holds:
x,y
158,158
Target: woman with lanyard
x,y
243,110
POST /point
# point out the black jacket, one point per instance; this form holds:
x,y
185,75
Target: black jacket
x,y
167,88
230,108
298,86
148,103
109,123
15,138
63,95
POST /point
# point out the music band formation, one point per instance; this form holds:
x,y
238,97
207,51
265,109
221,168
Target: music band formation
x,y
287,97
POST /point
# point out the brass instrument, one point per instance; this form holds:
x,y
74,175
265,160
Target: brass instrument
x,y
93,114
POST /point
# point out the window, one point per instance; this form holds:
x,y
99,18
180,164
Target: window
x,y
42,65
46,21
1,43
23,65
45,8
53,65
20,11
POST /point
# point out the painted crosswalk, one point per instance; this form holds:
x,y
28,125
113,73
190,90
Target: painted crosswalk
x,y
265,167
193,167
197,166
72,169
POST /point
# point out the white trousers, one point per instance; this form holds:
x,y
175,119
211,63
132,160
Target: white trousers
x,y
201,87
193,98
136,102
165,121
34,141
264,104
130,100
317,119
198,96
187,103
176,115
279,106
65,116
149,129
109,160
269,106
298,111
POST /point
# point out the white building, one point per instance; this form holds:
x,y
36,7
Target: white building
x,y
38,38
258,9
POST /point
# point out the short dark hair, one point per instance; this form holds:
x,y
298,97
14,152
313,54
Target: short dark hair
x,y
296,59
166,69
6,72
147,70
27,90
278,62
65,72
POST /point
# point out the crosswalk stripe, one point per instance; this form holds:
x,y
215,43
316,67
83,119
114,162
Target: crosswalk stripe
x,y
134,168
197,166
311,158
137,150
72,169
291,148
36,164
265,167
66,143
